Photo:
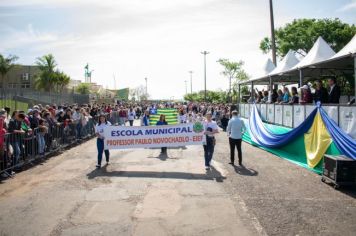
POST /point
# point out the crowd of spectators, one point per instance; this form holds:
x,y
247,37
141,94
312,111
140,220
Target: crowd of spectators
x,y
34,132
305,95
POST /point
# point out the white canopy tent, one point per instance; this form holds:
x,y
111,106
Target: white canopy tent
x,y
320,61
349,49
287,63
320,51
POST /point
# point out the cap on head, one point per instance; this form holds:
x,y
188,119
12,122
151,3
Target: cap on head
x,y
305,87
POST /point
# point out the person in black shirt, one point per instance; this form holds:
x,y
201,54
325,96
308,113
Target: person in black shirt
x,y
16,131
321,93
334,91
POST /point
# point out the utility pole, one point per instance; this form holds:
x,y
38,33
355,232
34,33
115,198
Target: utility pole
x,y
191,79
186,91
146,87
274,58
205,53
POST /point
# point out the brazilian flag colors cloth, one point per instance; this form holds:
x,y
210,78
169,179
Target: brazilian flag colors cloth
x,y
171,115
304,145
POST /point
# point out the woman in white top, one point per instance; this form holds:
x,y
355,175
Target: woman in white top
x,y
211,128
131,116
99,130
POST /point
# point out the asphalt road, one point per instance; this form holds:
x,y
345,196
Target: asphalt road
x,y
145,193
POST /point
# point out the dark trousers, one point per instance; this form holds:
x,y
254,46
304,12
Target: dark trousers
x,y
100,146
209,150
131,122
164,150
235,143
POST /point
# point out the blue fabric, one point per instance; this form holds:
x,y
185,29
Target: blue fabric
x,y
264,137
344,142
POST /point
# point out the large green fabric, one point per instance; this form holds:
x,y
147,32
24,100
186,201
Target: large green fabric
x,y
294,151
170,114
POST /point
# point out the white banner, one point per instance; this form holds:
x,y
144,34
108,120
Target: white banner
x,y
123,137
264,111
288,115
242,110
308,110
278,114
299,115
332,113
270,113
247,110
348,120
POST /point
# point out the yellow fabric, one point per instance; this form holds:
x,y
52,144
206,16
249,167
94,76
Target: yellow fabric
x,y
317,141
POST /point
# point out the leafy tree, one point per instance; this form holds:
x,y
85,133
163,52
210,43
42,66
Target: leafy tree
x,y
302,33
6,64
83,88
48,76
231,70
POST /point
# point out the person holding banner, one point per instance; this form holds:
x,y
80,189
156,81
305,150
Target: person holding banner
x,y
211,128
99,130
162,121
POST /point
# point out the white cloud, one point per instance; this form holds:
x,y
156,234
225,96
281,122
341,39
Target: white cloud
x,y
134,39
348,7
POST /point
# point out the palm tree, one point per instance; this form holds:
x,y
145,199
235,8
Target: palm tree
x,y
6,64
47,78
62,81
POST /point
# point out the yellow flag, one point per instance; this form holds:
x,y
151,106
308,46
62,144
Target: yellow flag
x,y
317,141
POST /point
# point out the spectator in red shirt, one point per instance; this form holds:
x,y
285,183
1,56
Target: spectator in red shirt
x,y
306,95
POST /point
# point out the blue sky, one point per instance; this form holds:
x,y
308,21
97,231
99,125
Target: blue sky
x,y
158,39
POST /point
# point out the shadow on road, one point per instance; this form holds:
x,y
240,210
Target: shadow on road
x,y
242,170
212,174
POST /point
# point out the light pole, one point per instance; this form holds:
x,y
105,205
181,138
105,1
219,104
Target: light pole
x,y
205,53
186,91
191,79
146,87
274,58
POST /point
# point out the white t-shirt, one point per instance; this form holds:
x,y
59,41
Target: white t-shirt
x,y
100,129
131,115
211,125
182,118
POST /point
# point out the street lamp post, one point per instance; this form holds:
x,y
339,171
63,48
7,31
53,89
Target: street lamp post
x,y
146,87
205,53
191,79
186,90
274,58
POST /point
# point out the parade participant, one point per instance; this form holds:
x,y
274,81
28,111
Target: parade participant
x,y
146,118
182,118
235,130
224,122
122,116
211,128
131,116
162,121
99,130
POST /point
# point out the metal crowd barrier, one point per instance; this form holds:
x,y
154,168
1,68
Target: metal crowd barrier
x,y
19,149
293,115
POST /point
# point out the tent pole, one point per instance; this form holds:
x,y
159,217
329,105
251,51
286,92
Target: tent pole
x,y
355,75
252,92
239,98
300,78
